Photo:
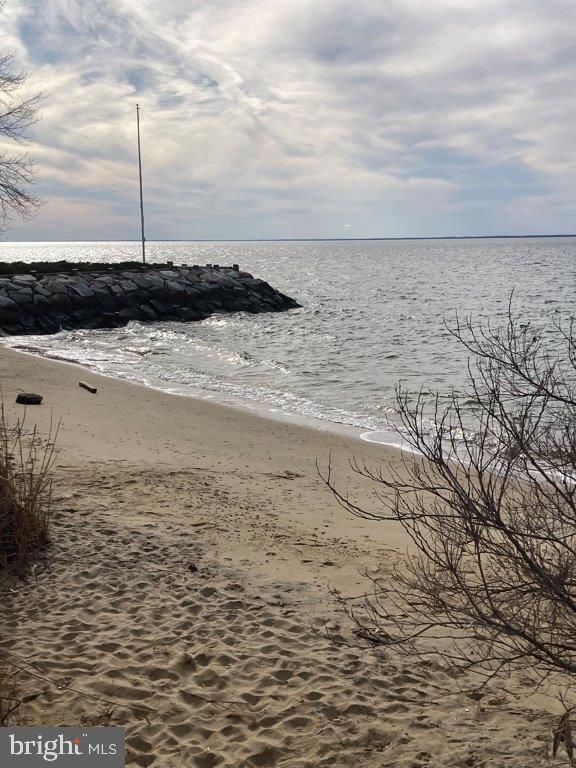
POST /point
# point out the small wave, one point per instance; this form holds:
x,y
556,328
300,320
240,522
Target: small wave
x,y
277,365
373,313
217,321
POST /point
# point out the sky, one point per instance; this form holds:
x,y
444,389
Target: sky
x,y
300,118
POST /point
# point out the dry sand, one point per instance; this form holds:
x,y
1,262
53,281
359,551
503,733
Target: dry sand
x,y
225,665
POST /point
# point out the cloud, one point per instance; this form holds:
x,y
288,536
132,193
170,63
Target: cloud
x,y
271,118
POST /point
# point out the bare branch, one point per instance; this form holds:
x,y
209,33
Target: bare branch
x,y
18,113
489,503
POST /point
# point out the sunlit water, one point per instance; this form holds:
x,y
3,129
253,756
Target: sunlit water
x,y
373,315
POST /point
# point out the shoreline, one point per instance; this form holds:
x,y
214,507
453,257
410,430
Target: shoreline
x,y
267,410
187,585
134,422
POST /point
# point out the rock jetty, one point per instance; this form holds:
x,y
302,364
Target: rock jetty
x,y
109,296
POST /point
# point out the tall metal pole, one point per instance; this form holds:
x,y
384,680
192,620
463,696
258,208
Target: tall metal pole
x,y
141,193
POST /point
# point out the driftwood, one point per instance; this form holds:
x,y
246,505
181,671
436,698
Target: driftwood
x,y
91,389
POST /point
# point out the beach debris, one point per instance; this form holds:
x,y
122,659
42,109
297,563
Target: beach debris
x,y
31,696
192,568
28,398
91,389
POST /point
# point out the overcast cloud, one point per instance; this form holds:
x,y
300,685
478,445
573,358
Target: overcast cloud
x,y
301,118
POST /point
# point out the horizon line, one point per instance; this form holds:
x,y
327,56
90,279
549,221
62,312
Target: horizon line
x,y
295,239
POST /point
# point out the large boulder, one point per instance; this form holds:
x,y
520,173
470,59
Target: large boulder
x,y
8,309
80,289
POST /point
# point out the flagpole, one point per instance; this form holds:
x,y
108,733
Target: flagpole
x,y
141,193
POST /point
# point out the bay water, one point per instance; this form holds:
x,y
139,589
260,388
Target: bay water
x,y
373,315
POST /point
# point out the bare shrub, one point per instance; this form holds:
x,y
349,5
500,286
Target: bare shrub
x,y
489,503
25,493
9,701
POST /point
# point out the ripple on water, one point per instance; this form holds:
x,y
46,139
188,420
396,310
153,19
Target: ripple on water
x,y
373,314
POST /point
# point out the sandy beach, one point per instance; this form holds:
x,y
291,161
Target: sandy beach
x,y
187,585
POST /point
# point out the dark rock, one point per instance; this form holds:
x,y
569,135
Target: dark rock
x,y
148,313
189,314
289,302
161,307
93,323
174,287
13,329
27,398
112,320
253,282
82,302
22,298
91,299
103,299
141,281
8,309
48,324
81,289
24,279
41,301
25,319
58,286
6,303
83,315
61,301
129,300
129,313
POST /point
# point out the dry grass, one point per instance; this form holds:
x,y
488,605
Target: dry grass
x,y
9,702
26,462
25,493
